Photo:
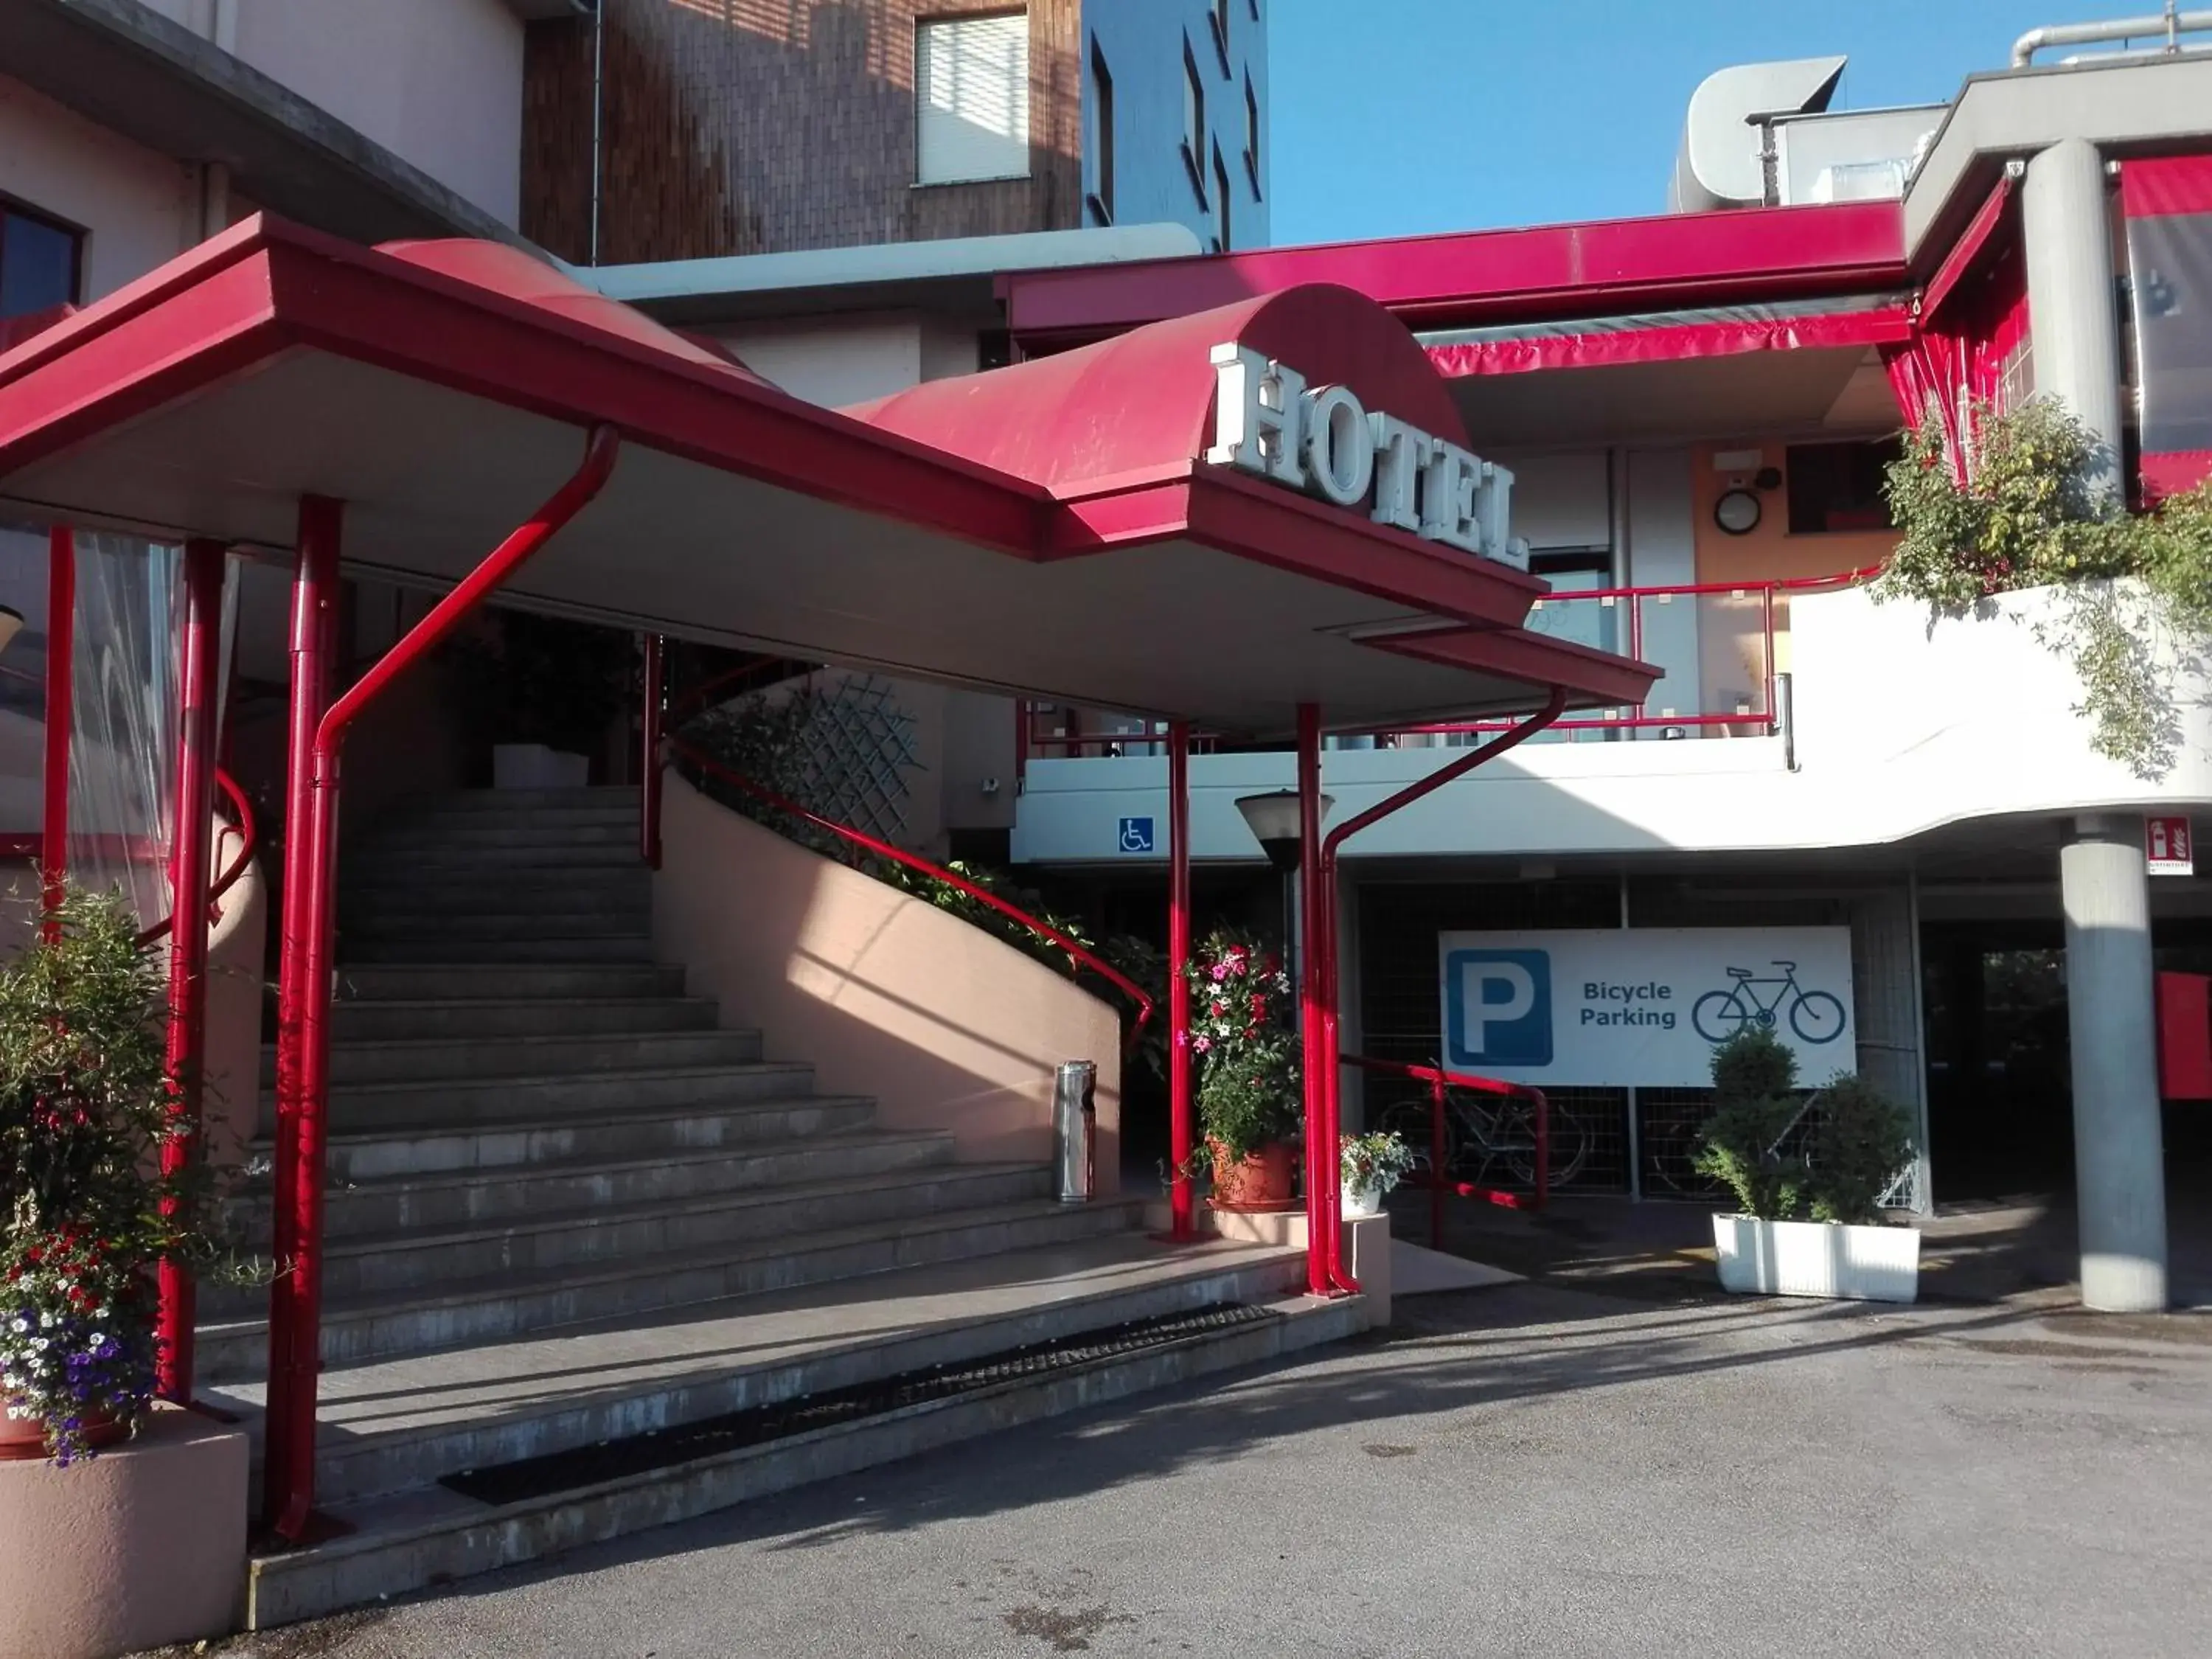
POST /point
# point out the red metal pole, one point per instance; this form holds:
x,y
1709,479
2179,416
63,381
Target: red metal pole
x,y
61,637
1328,991
291,1504
1437,1162
1179,1115
1773,713
1320,1153
648,784
291,1367
190,810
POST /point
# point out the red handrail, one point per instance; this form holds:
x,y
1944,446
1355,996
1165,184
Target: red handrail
x,y
1439,1186
1076,951
248,837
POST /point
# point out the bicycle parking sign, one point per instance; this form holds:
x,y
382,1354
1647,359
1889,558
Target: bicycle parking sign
x,y
1642,1007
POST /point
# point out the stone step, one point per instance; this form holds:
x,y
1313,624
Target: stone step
x,y
628,947
475,1103
511,1304
395,1425
525,890
507,1194
436,1148
430,1535
421,1059
503,982
423,1261
403,1019
473,814
459,860
482,829
624,796
492,925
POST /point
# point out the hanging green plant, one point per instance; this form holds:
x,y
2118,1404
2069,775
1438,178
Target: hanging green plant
x,y
2019,510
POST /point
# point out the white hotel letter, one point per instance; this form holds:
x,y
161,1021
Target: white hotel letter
x,y
1401,453
1252,429
1339,448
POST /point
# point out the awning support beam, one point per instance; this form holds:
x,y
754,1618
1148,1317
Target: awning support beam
x,y
303,1054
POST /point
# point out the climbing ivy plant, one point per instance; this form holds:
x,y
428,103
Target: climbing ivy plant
x,y
2134,589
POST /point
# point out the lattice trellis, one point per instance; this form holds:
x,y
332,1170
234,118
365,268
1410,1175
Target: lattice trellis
x,y
854,752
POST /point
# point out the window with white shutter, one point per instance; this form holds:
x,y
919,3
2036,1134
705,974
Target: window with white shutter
x,y
972,98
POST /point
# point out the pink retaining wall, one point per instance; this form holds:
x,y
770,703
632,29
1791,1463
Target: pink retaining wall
x,y
888,996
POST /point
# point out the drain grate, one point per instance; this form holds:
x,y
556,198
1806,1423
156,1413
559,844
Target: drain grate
x,y
638,1454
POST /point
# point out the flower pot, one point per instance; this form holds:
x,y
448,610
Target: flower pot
x,y
1817,1258
534,766
1360,1202
24,1438
1263,1180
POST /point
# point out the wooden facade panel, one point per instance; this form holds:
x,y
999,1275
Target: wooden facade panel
x,y
761,127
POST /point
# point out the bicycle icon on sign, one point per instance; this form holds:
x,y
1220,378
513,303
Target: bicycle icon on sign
x,y
1760,1000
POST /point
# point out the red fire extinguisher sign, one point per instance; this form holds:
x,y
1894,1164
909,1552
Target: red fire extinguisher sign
x,y
2169,847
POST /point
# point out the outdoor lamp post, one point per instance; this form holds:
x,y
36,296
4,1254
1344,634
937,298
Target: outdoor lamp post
x,y
1273,818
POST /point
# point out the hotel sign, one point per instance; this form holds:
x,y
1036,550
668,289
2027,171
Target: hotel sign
x,y
1320,439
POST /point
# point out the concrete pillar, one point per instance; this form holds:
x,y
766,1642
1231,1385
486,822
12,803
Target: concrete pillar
x,y
2120,1159
2072,304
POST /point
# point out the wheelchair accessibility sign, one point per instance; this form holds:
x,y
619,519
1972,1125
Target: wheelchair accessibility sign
x,y
1642,1007
1136,835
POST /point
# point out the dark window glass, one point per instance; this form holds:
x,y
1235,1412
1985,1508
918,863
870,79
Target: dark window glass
x,y
1838,486
38,264
1221,207
1102,133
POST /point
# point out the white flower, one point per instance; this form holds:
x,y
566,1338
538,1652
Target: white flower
x,y
96,1339
21,1326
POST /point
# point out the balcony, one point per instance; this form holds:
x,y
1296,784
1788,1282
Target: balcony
x,y
1792,716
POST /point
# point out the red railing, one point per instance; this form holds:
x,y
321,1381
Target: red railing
x,y
1078,953
249,837
1438,1179
1758,713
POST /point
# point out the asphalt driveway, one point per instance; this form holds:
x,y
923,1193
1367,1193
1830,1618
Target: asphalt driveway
x,y
1538,1468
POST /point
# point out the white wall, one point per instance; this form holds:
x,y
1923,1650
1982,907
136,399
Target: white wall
x,y
437,82
1901,729
833,361
138,209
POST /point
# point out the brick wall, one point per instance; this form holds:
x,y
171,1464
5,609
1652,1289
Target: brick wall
x,y
758,126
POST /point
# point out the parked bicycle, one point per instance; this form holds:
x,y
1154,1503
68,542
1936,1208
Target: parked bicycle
x,y
1487,1132
1762,1000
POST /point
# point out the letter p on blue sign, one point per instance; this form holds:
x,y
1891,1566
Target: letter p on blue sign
x,y
1498,1008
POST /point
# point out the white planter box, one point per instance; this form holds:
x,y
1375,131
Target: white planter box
x,y
533,766
1817,1258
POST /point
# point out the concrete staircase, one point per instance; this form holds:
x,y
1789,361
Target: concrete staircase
x,y
567,1207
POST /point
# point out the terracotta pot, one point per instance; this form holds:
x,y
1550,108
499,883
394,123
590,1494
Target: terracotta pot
x,y
1263,1180
24,1438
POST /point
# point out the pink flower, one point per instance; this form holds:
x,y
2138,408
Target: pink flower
x,y
1203,1044
1220,970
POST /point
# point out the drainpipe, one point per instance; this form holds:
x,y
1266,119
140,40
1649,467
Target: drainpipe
x,y
191,808
1179,1124
1321,1197
1338,1278
303,1053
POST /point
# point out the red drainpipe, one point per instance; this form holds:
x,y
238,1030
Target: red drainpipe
x,y
190,810
61,635
649,724
1338,1277
1179,1124
295,1320
1320,1146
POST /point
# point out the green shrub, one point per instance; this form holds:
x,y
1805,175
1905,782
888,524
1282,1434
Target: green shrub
x,y
1739,1146
1861,1140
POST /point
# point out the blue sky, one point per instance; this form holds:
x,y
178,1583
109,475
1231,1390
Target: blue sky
x,y
1395,117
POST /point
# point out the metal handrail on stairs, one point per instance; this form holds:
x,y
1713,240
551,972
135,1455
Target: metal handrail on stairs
x,y
1077,952
248,838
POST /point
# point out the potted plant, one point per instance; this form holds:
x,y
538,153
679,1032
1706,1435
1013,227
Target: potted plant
x,y
548,689
1809,1221
84,1117
1248,1073
1370,1166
